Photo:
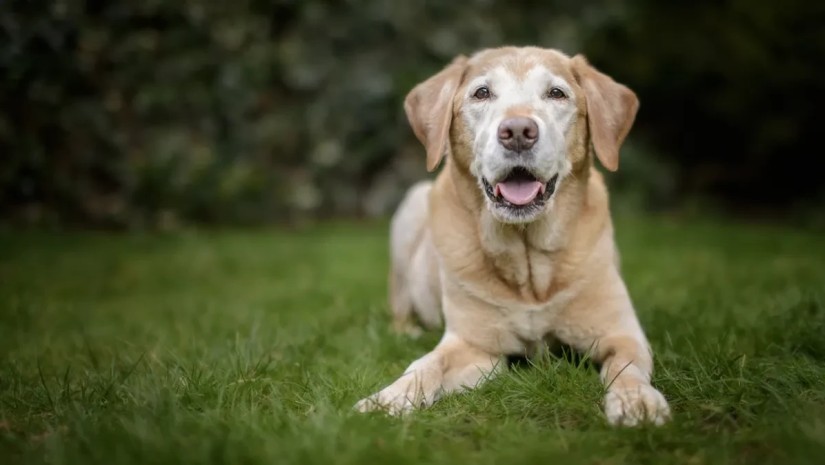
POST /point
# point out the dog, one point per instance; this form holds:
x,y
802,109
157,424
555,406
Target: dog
x,y
511,247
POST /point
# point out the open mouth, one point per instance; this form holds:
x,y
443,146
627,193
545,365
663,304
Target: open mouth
x,y
520,189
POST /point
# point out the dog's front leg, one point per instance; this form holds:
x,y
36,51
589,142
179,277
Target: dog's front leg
x,y
605,326
626,368
453,365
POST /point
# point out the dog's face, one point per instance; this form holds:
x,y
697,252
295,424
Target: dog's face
x,y
520,120
518,108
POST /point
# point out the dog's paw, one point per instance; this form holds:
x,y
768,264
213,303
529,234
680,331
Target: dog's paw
x,y
389,400
632,406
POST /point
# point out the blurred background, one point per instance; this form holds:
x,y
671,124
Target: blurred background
x,y
158,114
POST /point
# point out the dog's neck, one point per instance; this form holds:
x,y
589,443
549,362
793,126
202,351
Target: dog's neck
x,y
525,256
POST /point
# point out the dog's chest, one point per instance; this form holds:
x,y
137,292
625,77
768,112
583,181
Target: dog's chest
x,y
533,323
542,289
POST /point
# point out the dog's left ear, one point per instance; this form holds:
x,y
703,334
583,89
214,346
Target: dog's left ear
x,y
611,109
429,108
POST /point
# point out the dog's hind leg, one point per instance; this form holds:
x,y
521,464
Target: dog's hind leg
x,y
403,321
408,267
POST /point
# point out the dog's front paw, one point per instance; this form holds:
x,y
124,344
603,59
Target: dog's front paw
x,y
632,406
391,400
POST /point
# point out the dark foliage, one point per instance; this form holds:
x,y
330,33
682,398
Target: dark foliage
x,y
148,113
731,93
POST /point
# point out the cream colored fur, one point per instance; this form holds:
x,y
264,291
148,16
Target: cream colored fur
x,y
502,285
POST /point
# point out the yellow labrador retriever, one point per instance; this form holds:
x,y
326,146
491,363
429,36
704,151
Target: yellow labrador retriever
x,y
511,246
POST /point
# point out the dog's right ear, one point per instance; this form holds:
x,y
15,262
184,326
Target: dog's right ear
x,y
429,108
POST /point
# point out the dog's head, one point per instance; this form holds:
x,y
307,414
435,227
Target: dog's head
x,y
521,120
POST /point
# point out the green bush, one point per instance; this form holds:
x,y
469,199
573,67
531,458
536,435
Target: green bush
x,y
144,113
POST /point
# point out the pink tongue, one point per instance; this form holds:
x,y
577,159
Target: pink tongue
x,y
519,192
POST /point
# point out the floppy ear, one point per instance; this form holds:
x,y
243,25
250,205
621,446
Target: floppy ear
x,y
611,109
429,110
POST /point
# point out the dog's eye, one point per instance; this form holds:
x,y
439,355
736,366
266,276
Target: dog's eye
x,y
556,94
482,93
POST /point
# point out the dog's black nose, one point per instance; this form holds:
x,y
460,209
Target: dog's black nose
x,y
518,133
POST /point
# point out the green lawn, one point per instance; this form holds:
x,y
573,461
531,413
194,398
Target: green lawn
x,y
251,347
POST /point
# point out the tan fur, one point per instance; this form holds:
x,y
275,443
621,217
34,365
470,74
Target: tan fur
x,y
504,289
611,108
428,111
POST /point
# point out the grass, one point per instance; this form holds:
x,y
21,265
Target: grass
x,y
251,347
